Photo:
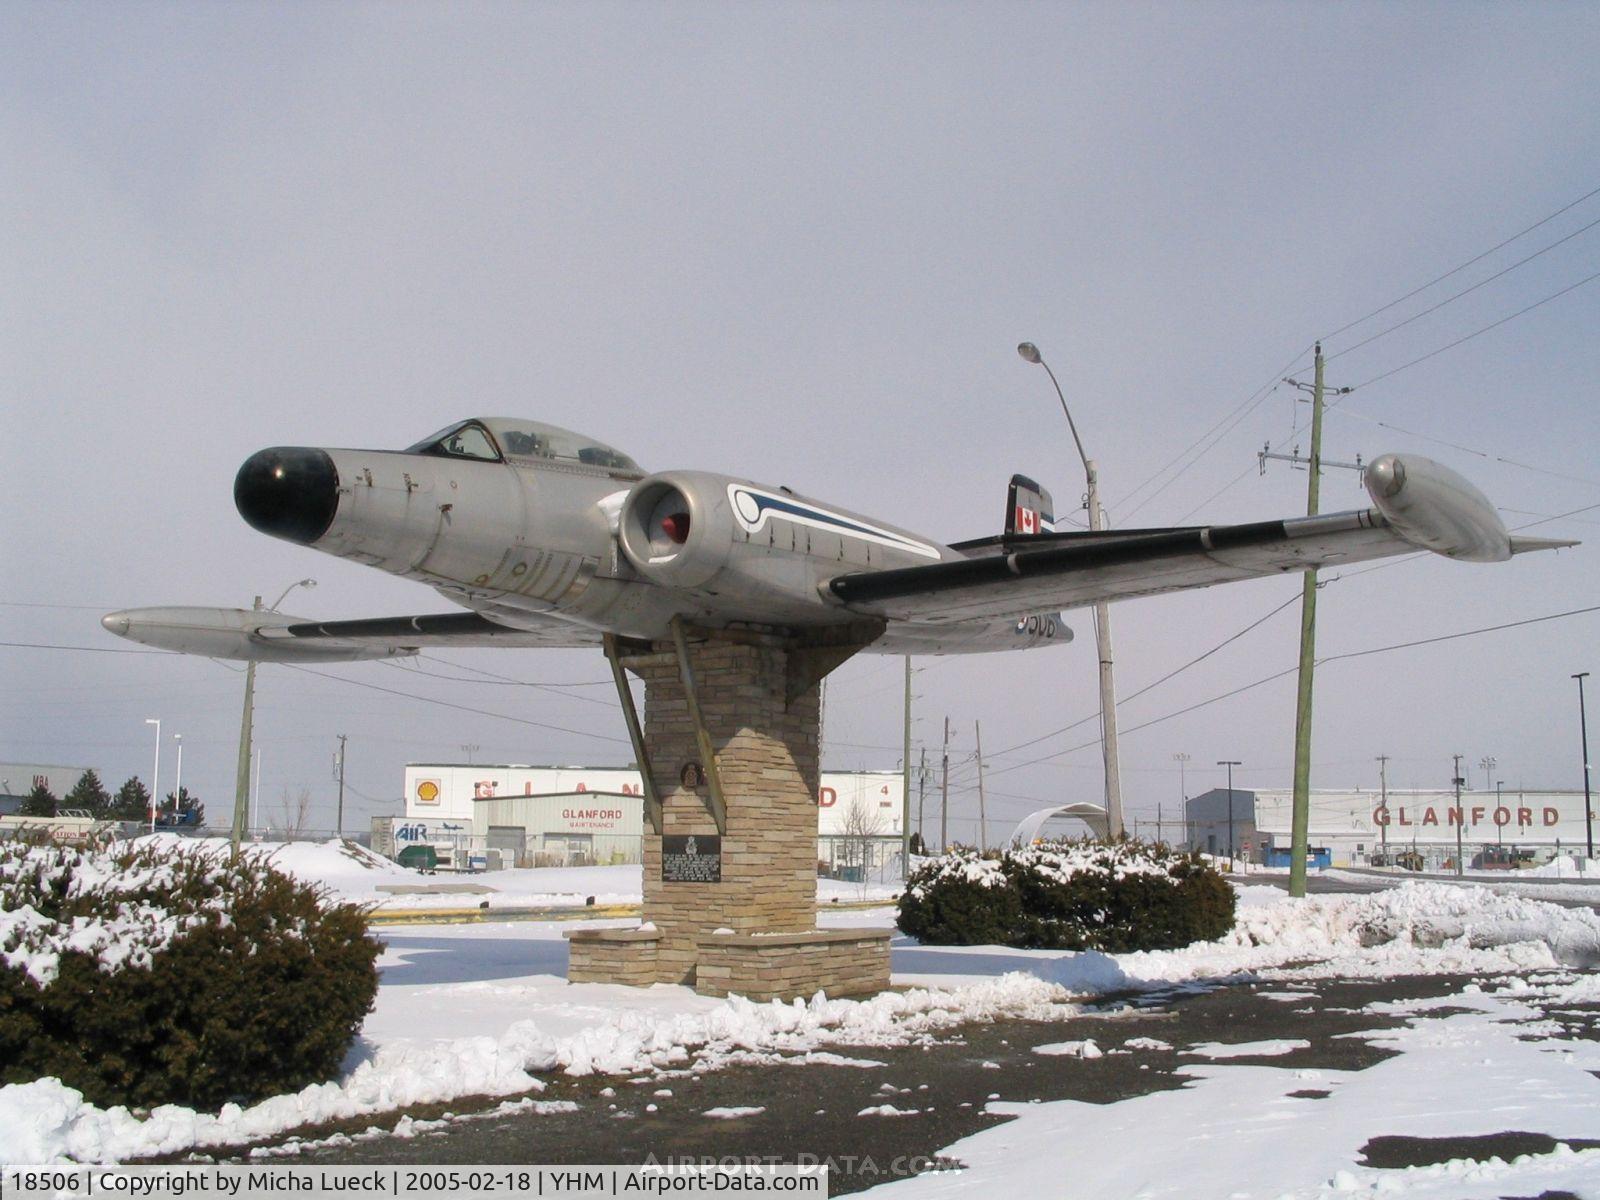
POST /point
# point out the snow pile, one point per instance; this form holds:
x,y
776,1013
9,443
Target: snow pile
x,y
1421,915
1562,867
348,870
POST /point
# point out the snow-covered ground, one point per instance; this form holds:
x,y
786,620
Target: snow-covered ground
x,y
354,873
484,1010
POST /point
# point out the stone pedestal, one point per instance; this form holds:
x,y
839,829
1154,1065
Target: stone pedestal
x,y
753,931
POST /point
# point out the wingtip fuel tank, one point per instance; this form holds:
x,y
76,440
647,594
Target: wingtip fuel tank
x,y
235,633
1436,509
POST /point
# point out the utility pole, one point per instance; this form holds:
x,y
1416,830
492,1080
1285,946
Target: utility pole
x,y
241,785
1102,615
922,796
241,781
905,784
1182,760
1383,806
944,793
1456,783
340,818
1588,804
255,797
1499,803
983,815
1301,823
1231,763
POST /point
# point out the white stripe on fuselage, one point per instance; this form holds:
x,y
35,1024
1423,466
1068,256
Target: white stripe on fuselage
x,y
753,506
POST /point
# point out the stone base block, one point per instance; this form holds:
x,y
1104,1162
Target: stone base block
x,y
613,956
781,966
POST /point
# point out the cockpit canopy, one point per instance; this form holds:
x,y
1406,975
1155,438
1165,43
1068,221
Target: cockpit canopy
x,y
509,439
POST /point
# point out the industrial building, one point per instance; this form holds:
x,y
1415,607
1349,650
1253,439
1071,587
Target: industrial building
x,y
17,780
1356,826
489,815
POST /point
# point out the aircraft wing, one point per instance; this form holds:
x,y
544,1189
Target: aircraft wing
x,y
1418,505
241,633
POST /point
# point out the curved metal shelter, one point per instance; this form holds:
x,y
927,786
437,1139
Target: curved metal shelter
x,y
1092,815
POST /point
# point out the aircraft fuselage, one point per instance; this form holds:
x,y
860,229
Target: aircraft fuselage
x,y
599,544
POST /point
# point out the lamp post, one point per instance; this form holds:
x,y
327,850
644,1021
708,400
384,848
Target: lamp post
x,y
1230,763
1499,803
1583,727
155,773
1487,764
177,791
1182,760
1102,616
247,723
1456,782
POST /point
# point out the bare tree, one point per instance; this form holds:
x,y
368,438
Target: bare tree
x,y
863,823
293,813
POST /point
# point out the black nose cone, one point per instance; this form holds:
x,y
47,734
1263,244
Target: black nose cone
x,y
291,492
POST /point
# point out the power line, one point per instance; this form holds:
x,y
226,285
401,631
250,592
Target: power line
x,y
1225,426
509,679
482,712
1475,333
84,649
1463,292
1457,270
1148,687
1345,410
492,680
1448,637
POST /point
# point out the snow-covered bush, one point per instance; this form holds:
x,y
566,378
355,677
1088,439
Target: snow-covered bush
x,y
145,974
1084,895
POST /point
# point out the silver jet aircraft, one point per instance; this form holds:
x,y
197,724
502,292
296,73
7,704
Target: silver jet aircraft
x,y
549,538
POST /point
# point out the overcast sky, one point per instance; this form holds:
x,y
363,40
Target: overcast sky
x,y
799,242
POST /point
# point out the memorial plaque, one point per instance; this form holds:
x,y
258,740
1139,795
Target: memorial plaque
x,y
691,858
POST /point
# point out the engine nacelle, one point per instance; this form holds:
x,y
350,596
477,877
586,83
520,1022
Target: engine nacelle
x,y
677,528
765,547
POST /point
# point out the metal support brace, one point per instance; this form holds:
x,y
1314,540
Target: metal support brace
x,y
714,801
652,801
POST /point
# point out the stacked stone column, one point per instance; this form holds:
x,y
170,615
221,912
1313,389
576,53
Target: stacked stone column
x,y
766,752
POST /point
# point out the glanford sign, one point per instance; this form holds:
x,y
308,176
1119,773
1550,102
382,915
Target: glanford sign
x,y
1504,817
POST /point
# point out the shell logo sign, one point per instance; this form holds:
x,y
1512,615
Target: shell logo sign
x,y
427,791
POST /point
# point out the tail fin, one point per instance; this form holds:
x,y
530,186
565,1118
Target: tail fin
x,y
1028,508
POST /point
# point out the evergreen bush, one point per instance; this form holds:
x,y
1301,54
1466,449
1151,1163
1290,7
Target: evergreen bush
x,y
146,975
1084,895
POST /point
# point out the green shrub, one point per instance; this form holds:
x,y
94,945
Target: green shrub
x,y
146,975
1109,896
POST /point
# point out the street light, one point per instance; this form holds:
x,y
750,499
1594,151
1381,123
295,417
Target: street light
x,y
177,791
305,583
1583,727
1230,763
1102,615
1487,764
155,774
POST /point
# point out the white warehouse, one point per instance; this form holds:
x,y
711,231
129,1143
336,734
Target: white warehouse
x,y
560,816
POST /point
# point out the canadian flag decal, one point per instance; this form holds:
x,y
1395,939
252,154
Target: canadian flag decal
x,y
1027,520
